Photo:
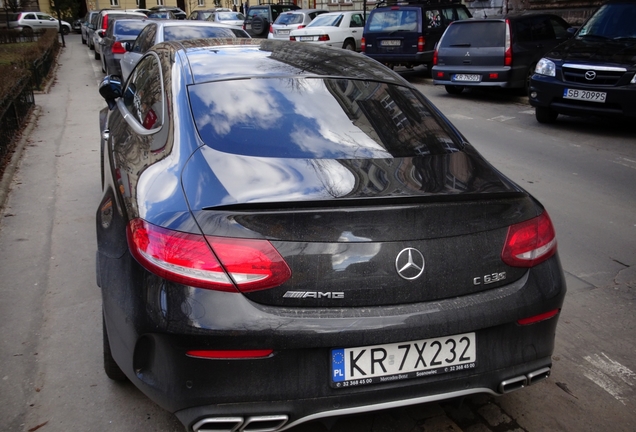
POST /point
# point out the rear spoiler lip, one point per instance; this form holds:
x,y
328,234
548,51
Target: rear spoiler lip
x,y
375,202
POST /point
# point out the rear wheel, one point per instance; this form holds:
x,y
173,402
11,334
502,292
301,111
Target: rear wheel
x,y
545,115
349,45
97,56
454,90
28,31
65,30
113,371
83,40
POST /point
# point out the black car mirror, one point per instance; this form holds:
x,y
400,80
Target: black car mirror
x,y
127,46
101,33
572,30
110,89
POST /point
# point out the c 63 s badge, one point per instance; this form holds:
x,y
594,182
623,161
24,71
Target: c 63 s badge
x,y
489,278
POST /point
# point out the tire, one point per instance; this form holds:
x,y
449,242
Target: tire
x,y
113,371
83,41
349,45
65,30
27,31
526,87
90,45
96,55
429,70
454,90
102,62
260,26
545,115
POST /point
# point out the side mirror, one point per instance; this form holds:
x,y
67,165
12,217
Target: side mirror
x,y
110,89
127,46
572,30
101,33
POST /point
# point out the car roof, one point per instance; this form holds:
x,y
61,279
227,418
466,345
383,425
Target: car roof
x,y
341,12
274,58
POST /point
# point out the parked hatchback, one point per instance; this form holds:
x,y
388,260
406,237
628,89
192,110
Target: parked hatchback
x,y
334,29
271,262
100,24
594,73
29,22
495,52
292,20
114,42
405,35
259,18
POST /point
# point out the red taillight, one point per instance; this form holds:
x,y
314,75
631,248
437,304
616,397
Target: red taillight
x,y
420,44
538,318
105,22
435,57
229,354
530,243
493,76
508,46
363,45
292,38
271,29
302,26
118,48
323,38
216,263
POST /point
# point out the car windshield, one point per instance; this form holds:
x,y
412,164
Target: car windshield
x,y
474,34
129,27
346,119
611,21
393,21
230,16
325,20
197,32
290,18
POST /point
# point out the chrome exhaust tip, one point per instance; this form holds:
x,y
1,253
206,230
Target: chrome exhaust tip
x,y
268,423
538,375
513,384
218,424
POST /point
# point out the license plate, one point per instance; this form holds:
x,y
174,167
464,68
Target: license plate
x,y
306,38
283,32
404,360
584,95
390,43
466,77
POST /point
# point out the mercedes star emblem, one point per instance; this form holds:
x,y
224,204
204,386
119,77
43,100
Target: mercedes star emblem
x,y
409,264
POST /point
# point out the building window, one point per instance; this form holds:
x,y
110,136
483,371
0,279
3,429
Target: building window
x,y
114,2
159,2
201,3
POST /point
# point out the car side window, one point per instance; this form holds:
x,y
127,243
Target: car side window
x,y
433,18
143,95
29,17
462,14
560,28
356,21
541,29
146,39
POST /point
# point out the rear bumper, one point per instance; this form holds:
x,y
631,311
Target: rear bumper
x,y
488,77
620,100
403,59
153,323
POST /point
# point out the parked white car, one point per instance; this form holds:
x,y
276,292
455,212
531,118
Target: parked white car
x,y
292,20
34,21
334,29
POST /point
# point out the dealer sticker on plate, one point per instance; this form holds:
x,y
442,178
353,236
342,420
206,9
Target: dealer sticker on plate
x,y
403,360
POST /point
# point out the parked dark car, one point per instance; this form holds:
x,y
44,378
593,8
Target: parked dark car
x,y
594,73
114,42
100,24
77,26
496,52
204,14
260,17
180,14
406,34
85,23
274,261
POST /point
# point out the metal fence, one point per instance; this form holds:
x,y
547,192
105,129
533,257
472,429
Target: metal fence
x,y
14,110
41,67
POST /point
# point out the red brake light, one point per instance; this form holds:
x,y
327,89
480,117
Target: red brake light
x,y
105,22
229,354
435,57
207,262
323,38
363,45
420,44
508,46
292,38
530,243
118,48
302,26
271,29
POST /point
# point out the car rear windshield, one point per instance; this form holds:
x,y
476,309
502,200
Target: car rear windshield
x,y
290,18
477,34
325,20
171,33
612,21
129,27
393,21
318,118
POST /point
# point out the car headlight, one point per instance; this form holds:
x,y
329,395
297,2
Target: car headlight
x,y
545,67
633,81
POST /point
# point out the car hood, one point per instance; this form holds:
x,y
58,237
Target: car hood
x,y
588,49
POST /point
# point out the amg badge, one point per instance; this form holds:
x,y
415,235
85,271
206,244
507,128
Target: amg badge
x,y
314,294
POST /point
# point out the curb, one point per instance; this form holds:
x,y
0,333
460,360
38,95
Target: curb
x,y
7,177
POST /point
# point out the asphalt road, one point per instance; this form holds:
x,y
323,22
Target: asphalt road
x,y
582,170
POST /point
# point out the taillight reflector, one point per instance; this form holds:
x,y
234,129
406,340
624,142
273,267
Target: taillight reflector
x,y
435,57
216,263
229,354
118,48
323,38
538,318
363,45
493,76
530,243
